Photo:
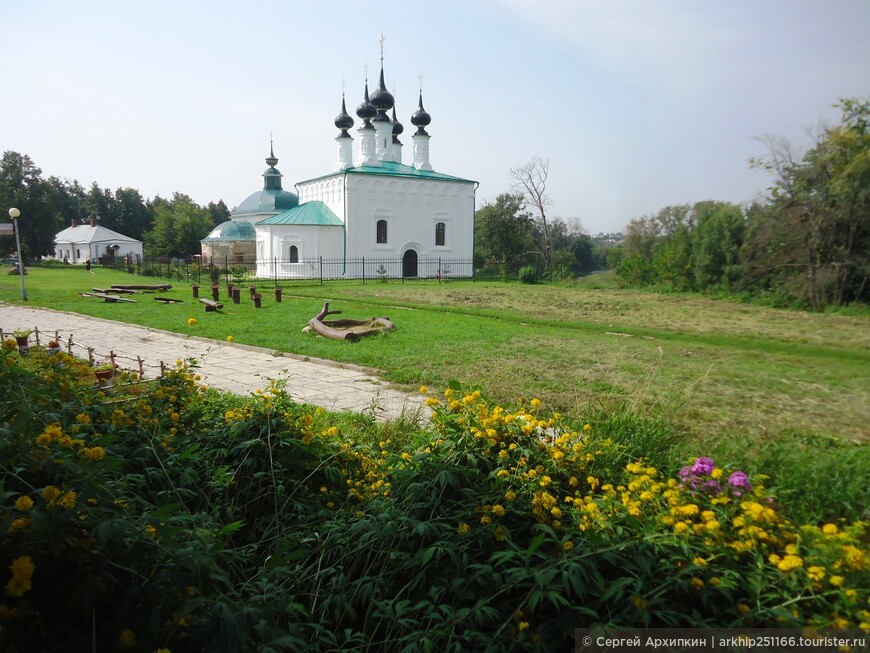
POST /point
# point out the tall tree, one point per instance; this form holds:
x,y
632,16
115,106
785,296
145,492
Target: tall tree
x,y
502,232
179,225
134,216
22,186
815,229
530,181
219,212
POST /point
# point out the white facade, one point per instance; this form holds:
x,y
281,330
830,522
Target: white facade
x,y
289,251
411,209
77,244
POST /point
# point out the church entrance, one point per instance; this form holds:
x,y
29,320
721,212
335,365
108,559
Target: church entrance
x,y
409,264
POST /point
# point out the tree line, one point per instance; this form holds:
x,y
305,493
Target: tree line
x,y
168,227
806,244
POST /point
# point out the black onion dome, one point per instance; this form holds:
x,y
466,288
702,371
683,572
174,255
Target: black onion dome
x,y
398,128
366,110
343,120
382,98
420,118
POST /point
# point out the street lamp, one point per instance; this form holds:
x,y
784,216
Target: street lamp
x,y
15,214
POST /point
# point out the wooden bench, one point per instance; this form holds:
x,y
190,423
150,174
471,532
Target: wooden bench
x,y
210,304
163,287
168,300
107,297
116,291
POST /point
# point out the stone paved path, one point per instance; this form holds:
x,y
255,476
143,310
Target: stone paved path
x,y
232,367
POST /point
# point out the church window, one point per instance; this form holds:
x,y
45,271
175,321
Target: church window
x,y
440,234
381,232
294,254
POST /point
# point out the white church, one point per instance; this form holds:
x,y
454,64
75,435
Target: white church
x,y
372,215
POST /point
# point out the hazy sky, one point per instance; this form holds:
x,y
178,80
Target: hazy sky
x,y
637,104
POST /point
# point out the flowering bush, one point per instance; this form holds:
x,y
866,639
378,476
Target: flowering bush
x,y
175,518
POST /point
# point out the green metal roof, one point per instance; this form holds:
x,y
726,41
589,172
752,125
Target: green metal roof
x,y
232,231
393,169
311,213
267,201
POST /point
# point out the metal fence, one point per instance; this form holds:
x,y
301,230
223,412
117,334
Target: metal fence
x,y
318,270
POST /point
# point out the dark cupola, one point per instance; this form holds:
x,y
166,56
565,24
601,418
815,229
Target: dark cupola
x,y
398,128
343,120
366,110
420,118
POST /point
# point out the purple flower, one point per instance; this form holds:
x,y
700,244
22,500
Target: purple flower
x,y
703,466
739,481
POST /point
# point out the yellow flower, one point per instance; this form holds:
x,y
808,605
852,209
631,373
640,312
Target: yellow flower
x,y
815,573
742,607
431,402
535,403
23,503
230,339
68,500
191,322
94,453
567,545
485,519
510,495
697,583
498,510
500,534
127,638
424,389
22,569
789,563
162,650
523,625
18,525
836,581
463,528
50,493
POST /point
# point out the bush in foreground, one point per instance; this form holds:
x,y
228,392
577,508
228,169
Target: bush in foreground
x,y
161,516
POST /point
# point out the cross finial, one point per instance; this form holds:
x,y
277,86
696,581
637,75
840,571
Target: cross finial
x,y
420,77
366,69
382,39
342,87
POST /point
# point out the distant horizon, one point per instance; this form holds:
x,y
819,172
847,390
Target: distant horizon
x,y
636,107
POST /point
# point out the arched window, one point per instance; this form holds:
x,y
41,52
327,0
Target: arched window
x,y
440,234
294,254
381,232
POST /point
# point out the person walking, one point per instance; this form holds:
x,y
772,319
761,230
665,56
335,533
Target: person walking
x,y
88,265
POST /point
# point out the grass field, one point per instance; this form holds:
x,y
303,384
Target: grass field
x,y
717,369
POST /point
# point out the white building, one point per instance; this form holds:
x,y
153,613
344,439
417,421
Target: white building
x,y
403,220
79,243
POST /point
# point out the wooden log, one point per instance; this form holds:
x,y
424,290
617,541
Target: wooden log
x,y
138,286
345,329
210,304
258,299
107,297
195,288
168,300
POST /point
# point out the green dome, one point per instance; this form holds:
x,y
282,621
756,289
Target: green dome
x,y
268,201
232,231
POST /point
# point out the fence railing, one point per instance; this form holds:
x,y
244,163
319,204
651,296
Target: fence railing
x,y
318,270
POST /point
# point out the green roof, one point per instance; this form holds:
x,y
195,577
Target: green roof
x,y
232,231
311,213
393,169
267,201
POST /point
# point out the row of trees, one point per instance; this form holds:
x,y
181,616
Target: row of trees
x,y
514,231
807,244
169,227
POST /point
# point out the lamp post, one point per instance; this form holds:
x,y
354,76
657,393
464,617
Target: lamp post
x,y
15,214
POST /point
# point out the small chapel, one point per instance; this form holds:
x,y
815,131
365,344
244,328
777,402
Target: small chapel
x,y
372,213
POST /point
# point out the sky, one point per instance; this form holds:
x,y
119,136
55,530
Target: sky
x,y
635,104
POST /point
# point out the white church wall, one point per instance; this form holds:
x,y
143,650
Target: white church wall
x,y
276,256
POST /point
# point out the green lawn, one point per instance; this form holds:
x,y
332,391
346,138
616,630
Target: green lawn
x,y
716,369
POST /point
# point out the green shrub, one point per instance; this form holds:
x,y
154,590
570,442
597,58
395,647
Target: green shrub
x,y
528,274
175,518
